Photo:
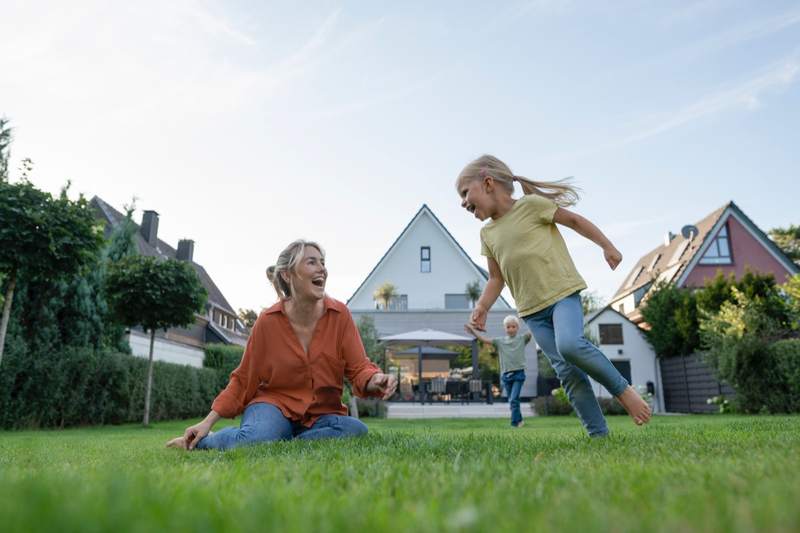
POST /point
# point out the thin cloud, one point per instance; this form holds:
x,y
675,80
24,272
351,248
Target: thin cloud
x,y
735,36
216,24
747,95
693,12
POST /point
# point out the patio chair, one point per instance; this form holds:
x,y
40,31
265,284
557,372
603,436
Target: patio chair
x,y
438,387
475,387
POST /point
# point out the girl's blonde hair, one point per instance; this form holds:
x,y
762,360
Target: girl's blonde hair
x,y
510,318
287,261
560,191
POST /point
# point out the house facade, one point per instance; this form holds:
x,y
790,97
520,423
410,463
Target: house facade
x,y
219,323
625,345
726,240
430,271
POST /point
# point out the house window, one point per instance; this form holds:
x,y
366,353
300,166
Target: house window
x,y
654,262
425,259
719,250
624,368
679,252
610,333
399,303
456,301
635,274
639,293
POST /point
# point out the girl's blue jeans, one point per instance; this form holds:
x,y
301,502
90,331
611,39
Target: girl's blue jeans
x,y
512,383
558,330
263,422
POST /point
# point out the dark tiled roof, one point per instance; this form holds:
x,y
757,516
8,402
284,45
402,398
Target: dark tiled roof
x,y
646,271
161,249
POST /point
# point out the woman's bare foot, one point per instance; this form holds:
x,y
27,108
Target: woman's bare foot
x,y
177,442
635,405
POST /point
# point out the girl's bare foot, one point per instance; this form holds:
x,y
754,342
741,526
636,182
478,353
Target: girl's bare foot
x,y
177,442
635,405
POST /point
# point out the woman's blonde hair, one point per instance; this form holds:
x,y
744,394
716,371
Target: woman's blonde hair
x,y
287,261
560,191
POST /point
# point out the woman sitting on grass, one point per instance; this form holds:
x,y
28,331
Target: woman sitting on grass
x,y
290,380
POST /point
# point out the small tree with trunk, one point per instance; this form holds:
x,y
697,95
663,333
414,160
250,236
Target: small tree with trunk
x,y
42,238
473,291
384,294
154,294
248,317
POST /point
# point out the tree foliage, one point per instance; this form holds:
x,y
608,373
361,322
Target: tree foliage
x,y
43,240
384,294
788,240
473,291
248,317
154,294
369,337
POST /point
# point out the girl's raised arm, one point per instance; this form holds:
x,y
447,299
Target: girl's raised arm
x,y
584,227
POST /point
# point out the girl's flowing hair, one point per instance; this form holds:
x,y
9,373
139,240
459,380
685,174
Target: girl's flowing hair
x,y
287,261
562,192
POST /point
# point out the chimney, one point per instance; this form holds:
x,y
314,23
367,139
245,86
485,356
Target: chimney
x,y
668,238
185,250
149,228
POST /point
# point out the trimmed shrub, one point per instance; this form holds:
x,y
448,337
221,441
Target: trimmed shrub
x,y
557,404
79,386
610,406
371,407
786,355
224,358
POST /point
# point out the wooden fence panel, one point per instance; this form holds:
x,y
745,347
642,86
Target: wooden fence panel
x,y
688,382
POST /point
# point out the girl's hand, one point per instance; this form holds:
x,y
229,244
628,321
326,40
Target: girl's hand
x,y
195,434
386,384
478,318
613,257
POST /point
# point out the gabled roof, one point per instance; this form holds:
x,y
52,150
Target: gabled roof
x,y
594,314
163,250
425,209
675,266
668,266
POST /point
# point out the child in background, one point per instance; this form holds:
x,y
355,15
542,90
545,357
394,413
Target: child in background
x,y
511,350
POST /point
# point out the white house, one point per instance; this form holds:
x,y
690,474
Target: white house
x,y
625,345
430,271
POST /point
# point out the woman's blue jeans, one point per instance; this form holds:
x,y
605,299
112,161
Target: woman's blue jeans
x,y
512,383
263,422
558,331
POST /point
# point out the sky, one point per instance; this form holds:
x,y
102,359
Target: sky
x,y
246,125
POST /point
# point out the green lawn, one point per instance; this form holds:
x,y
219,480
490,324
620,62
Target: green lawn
x,y
680,473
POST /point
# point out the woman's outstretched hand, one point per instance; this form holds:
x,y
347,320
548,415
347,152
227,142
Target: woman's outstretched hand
x,y
613,257
195,434
386,384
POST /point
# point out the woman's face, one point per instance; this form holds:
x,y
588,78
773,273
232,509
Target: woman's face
x,y
309,276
